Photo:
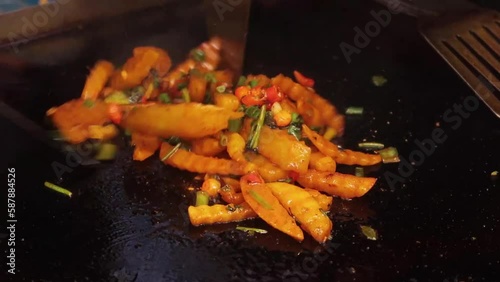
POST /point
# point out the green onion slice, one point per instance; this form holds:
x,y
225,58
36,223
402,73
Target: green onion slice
x,y
88,103
210,77
185,95
354,111
165,98
201,198
251,229
254,141
198,55
389,155
371,145
234,125
221,88
369,232
241,81
223,140
107,151
58,188
172,152
379,80
260,200
359,171
253,83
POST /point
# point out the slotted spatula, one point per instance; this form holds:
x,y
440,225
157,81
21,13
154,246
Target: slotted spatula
x,y
467,37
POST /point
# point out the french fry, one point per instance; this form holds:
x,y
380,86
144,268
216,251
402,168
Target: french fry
x,y
311,115
75,116
226,101
304,208
189,161
324,201
134,71
178,72
231,191
268,170
145,146
322,162
97,79
207,146
162,64
267,206
284,150
197,87
204,215
162,120
295,91
345,186
347,157
236,147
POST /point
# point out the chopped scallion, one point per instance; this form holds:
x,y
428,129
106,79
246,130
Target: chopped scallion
x,y
88,103
223,140
172,152
198,55
221,88
369,232
252,112
260,200
330,133
379,80
234,125
117,97
253,83
182,85
201,198
295,117
251,229
254,141
354,111
371,145
58,189
295,131
165,98
389,155
241,81
359,171
210,77
185,95
107,151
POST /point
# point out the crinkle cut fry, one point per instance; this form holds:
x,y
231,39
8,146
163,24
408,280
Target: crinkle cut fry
x,y
189,161
203,215
295,91
347,157
336,184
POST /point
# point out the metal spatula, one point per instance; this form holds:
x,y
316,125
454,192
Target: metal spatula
x,y
467,37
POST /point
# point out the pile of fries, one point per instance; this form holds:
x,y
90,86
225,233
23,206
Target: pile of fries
x,y
263,145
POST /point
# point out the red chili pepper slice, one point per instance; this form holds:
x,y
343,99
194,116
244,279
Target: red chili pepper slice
x,y
303,80
274,94
253,177
115,114
255,97
241,92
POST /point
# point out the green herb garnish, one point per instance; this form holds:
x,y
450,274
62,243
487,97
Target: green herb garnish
x,y
88,103
369,232
260,200
210,77
241,81
251,230
165,98
389,155
234,125
253,83
172,152
58,189
221,88
252,112
198,55
255,135
379,80
185,95
354,111
201,198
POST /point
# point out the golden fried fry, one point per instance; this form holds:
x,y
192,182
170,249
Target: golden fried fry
x,y
324,201
304,208
162,64
207,146
226,101
347,157
236,147
74,117
204,214
322,162
230,192
268,170
135,70
197,87
267,206
189,161
284,150
337,184
97,79
185,120
145,145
